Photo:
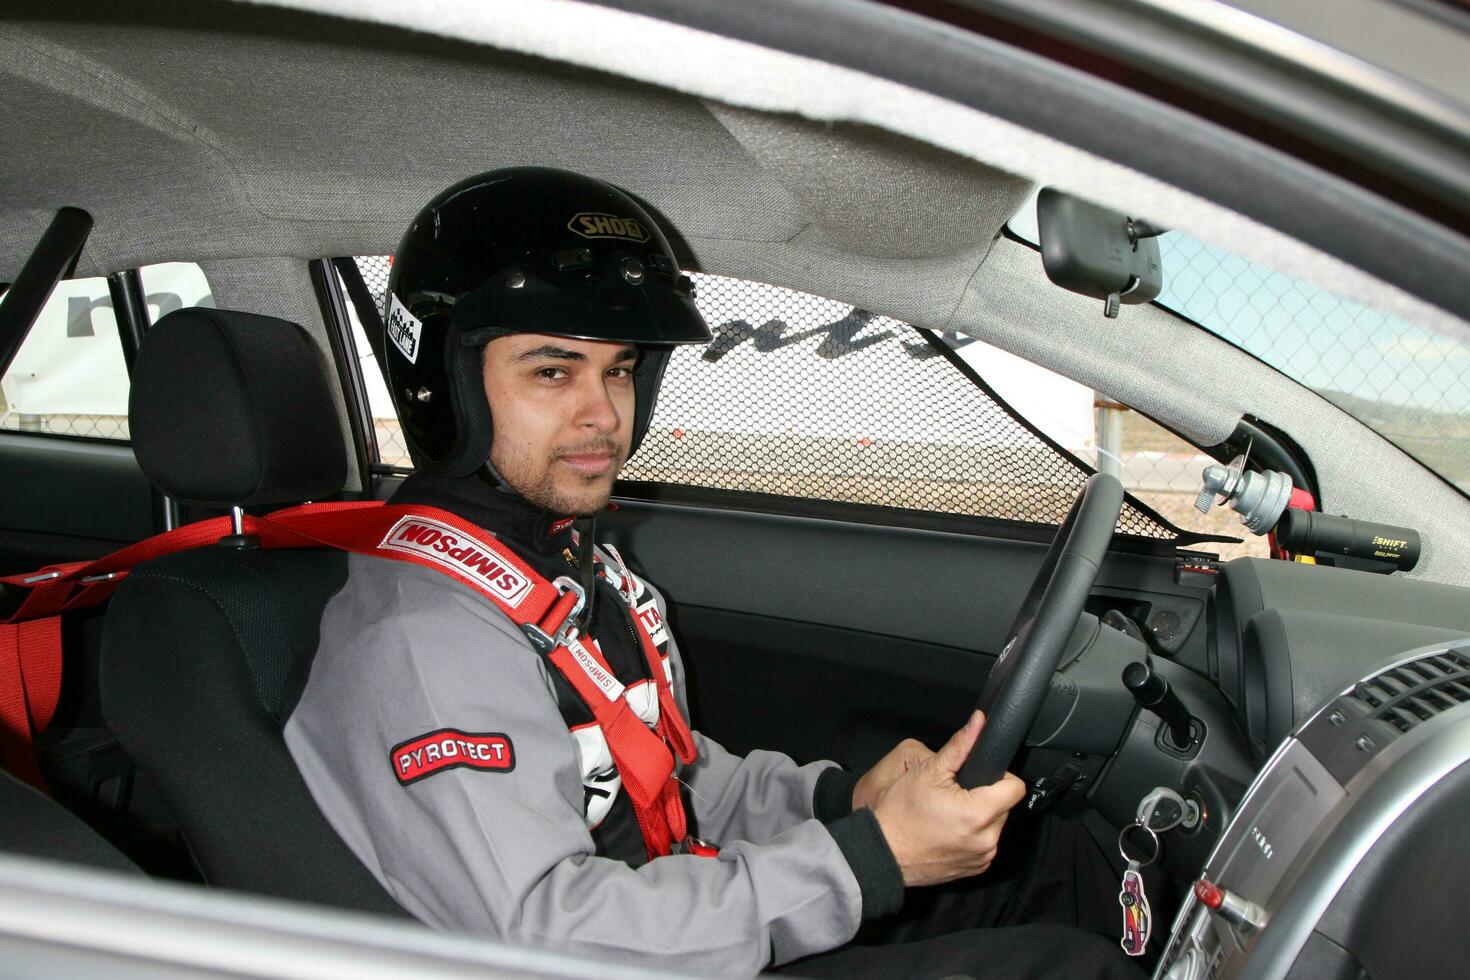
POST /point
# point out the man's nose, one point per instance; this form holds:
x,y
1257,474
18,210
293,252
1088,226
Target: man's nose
x,y
596,410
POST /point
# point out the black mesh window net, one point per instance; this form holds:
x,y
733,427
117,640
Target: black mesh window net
x,y
803,397
374,270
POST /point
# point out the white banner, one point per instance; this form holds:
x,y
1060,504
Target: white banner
x,y
71,362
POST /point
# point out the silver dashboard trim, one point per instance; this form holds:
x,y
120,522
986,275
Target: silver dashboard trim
x,y
1399,783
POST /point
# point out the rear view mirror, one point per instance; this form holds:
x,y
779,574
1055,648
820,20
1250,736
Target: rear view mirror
x,y
1097,252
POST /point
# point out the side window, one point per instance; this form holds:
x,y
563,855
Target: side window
x,y
800,396
803,397
1157,467
69,377
170,286
392,449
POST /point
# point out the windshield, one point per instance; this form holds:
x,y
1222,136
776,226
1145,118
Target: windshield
x,y
1408,384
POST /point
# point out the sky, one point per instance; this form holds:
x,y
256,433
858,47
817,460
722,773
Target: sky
x,y
1324,341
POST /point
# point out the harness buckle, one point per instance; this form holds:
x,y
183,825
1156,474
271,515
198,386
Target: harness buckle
x,y
546,642
104,577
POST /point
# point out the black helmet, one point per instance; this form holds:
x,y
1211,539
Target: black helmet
x,y
531,250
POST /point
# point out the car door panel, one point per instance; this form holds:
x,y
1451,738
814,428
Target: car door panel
x,y
827,639
67,500
949,589
820,692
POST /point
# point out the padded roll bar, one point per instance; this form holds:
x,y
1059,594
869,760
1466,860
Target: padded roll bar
x,y
53,259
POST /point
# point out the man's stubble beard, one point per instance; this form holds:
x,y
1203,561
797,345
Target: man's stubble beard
x,y
540,487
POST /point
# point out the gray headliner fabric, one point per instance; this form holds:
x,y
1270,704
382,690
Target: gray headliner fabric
x,y
934,203
223,131
743,74
262,154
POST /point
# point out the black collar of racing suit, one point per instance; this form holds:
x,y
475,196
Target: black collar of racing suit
x,y
544,539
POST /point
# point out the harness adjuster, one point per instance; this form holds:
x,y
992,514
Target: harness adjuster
x,y
695,846
546,642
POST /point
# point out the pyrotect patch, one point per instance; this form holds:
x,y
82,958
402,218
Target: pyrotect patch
x,y
404,329
559,526
595,224
450,748
452,549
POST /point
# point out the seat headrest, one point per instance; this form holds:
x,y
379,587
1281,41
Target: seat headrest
x,y
232,408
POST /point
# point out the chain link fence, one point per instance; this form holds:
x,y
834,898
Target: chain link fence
x,y
1406,383
112,427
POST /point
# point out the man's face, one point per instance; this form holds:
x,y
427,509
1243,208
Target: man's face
x,y
563,416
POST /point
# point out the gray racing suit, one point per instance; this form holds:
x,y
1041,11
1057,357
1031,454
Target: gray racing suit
x,y
524,842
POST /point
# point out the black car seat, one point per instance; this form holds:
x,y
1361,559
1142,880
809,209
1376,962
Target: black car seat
x,y
204,652
32,825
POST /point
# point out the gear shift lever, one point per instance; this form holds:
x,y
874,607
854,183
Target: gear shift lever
x,y
1152,693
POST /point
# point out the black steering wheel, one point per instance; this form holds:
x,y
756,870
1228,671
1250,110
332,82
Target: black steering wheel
x,y
1019,680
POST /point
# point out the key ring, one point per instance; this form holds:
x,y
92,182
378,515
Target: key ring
x,y
1122,842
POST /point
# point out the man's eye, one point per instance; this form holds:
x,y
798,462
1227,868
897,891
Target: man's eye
x,y
551,373
620,372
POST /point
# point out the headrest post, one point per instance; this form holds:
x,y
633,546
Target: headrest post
x,y
238,538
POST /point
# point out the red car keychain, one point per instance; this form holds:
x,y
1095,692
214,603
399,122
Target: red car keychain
x,y
1137,919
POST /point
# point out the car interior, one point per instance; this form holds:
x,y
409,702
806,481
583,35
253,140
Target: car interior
x,y
279,146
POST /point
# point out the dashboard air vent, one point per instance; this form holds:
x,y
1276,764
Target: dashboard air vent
x,y
1411,693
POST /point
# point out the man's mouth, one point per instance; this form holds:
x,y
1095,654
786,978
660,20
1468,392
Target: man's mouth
x,y
593,458
591,464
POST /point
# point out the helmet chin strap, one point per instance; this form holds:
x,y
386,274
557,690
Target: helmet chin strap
x,y
586,567
497,481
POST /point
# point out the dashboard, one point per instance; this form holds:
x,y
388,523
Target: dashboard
x,y
1339,861
1336,771
1334,715
1285,637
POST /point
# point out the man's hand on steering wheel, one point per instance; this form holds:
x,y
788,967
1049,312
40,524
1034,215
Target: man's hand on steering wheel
x,y
942,812
1018,682
937,830
875,782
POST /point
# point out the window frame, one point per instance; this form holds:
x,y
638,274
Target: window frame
x,y
333,304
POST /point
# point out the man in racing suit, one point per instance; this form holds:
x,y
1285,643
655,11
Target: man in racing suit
x,y
474,776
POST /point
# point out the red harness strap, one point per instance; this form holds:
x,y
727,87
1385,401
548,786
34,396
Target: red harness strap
x,y
30,639
1299,500
30,683
642,757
